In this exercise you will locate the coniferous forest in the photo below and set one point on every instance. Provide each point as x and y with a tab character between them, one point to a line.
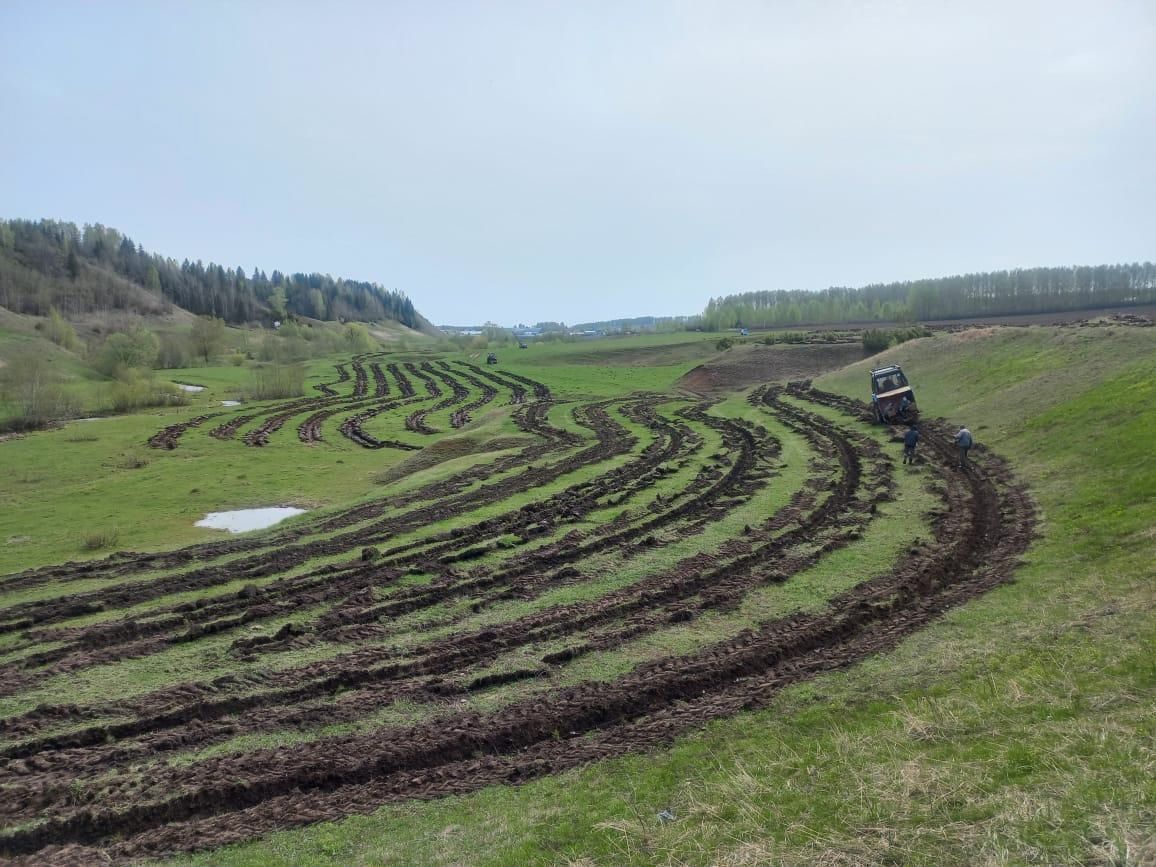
991	293
47	264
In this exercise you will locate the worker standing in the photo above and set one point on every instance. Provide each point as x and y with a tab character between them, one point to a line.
963	443
910	441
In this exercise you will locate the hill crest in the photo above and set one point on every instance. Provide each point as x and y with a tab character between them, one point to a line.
46	264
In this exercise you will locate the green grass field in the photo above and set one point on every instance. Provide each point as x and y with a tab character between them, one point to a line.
1017	728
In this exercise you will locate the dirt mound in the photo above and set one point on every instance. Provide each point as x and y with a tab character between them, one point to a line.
744	366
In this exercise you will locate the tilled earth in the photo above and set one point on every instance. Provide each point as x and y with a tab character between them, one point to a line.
454	636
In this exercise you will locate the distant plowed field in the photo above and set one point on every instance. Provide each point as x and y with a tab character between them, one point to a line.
615	577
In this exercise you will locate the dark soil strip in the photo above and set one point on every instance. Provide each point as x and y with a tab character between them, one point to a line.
380	382
360	379
404	386
518	391
169	437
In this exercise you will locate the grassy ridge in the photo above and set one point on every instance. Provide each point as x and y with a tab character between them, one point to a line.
1018	730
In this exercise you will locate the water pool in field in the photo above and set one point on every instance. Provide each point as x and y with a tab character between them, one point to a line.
244	520
184	386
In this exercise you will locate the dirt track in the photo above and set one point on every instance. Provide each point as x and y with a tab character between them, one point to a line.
410	606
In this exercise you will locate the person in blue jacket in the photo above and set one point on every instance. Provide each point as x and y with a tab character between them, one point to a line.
910	441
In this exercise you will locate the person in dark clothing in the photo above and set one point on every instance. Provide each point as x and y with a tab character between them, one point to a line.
963	442
910	440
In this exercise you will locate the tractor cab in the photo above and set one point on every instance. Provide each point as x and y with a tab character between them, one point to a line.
892	398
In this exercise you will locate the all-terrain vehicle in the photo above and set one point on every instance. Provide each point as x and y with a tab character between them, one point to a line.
492	358
892	398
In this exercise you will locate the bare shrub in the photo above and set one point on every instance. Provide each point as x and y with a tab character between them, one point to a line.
34	389
273	381
98	540
134	390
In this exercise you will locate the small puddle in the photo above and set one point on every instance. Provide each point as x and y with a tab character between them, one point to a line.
184	386
230	403
244	520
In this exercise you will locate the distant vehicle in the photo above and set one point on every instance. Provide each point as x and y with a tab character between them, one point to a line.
492	358
892	398
523	346
744	332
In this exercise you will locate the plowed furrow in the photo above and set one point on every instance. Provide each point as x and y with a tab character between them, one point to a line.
518	391
360	379
169	437
380	382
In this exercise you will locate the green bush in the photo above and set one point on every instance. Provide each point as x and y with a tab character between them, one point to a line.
34	392
876	340
128	349
60	331
274	381
725	344
135	390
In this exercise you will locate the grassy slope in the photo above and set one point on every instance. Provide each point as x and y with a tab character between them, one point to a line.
1018	730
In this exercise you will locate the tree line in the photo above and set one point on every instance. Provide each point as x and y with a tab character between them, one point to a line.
47	264
991	293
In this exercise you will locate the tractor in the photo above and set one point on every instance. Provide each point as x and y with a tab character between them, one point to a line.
892	399
492	358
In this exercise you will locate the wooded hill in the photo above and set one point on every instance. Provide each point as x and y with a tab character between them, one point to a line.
47	264
991	293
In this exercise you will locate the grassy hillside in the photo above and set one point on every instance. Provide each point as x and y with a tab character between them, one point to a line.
1020	729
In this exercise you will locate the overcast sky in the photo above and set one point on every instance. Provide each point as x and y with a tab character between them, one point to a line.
585	160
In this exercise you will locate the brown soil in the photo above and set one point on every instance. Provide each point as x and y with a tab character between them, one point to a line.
744	366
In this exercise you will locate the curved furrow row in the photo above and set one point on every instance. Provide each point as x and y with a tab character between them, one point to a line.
229	429
742	465
404	386
169	437
611	439
518	390
530	419
488	393
261	434
360	378
380	381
